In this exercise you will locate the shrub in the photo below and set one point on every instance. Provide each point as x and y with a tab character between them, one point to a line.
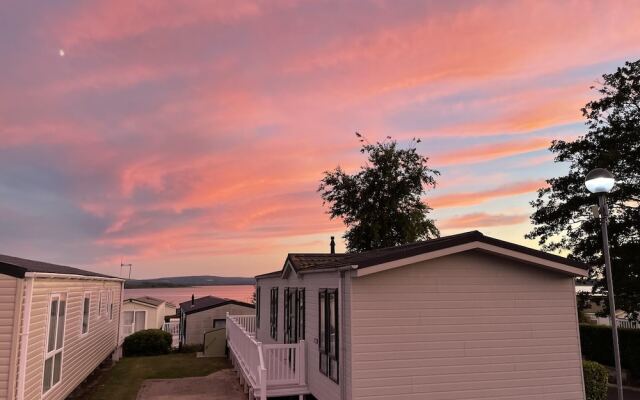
597	345
149	342
595	380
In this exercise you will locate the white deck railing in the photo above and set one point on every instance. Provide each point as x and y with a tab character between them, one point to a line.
620	322
247	322
172	327
625	323
265	365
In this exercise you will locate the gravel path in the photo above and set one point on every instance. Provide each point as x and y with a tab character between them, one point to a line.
221	385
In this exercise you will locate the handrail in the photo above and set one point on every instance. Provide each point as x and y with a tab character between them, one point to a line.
265	364
249	350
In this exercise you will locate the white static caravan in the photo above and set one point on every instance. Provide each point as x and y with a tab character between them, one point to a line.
57	324
456	318
146	312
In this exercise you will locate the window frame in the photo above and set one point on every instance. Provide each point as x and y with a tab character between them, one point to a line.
60	296
87	295
133	324
110	304
100	303
325	357
273	313
258	306
294	314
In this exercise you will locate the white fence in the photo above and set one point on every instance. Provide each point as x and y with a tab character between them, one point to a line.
625	323
620	322
265	365
173	328
247	322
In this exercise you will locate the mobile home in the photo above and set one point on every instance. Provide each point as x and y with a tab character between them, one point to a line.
201	315
459	317
57	324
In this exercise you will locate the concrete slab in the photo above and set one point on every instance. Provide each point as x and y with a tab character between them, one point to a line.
221	385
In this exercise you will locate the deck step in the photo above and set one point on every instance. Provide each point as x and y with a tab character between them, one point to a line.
285	390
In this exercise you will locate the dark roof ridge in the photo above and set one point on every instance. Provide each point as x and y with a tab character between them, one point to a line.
454	236
18	267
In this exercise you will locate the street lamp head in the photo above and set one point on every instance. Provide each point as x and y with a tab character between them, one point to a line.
599	180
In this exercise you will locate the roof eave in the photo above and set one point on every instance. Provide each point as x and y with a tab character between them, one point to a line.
70	276
475	245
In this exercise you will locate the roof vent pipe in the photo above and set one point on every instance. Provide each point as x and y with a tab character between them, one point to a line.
193	300
332	245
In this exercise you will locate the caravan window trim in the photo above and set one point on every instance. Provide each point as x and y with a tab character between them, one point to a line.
329	342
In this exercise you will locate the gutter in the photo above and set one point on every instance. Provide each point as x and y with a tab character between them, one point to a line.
70	276
24	336
336	269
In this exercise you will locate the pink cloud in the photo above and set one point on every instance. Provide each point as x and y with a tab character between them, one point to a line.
487	152
461	199
478	220
116	20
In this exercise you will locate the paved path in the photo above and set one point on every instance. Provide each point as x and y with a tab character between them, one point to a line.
221	385
628	394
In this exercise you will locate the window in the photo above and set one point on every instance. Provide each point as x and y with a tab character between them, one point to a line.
55	341
110	305
301	318
86	307
273	313
100	302
257	307
219	323
293	314
328	315
133	321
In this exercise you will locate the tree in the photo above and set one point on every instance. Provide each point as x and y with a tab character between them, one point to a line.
562	218
382	204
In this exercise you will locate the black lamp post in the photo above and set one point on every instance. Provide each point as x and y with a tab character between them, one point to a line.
600	181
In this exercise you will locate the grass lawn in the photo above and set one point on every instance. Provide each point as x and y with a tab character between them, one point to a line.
124	380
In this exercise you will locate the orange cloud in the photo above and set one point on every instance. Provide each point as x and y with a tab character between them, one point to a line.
476	220
472	198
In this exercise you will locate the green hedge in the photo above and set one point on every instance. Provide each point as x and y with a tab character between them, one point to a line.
595	380
597	345
149	342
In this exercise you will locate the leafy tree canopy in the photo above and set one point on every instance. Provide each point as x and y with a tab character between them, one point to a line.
562	219
382	205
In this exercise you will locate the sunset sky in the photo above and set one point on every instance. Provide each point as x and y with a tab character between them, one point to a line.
188	137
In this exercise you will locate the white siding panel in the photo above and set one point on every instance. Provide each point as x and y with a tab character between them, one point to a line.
466	326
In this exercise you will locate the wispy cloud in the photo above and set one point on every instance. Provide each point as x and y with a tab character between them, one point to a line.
460	199
479	220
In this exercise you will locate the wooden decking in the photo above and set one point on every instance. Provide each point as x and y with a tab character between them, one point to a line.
265	370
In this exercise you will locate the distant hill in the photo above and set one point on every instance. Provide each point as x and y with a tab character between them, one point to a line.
186	281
